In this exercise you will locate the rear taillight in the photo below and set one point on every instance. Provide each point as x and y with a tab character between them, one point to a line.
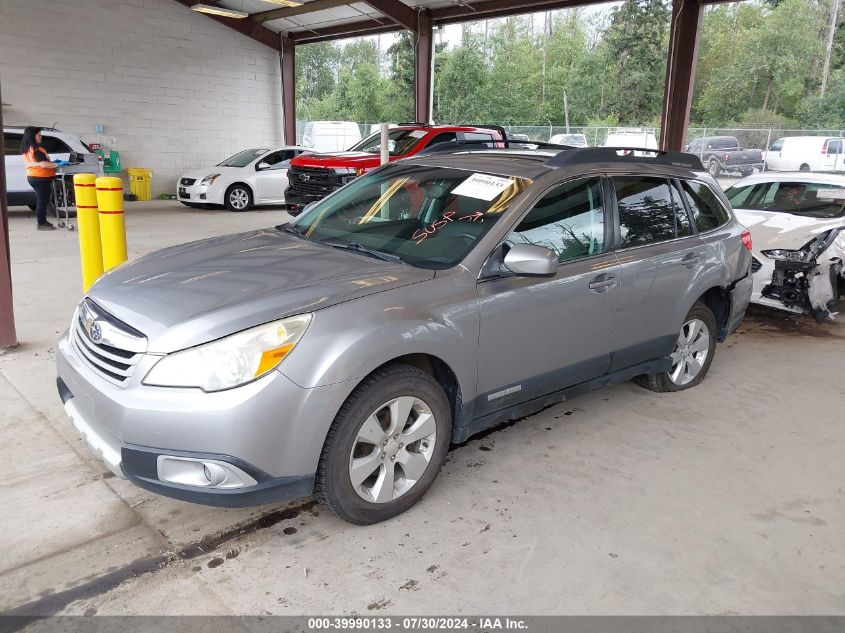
746	239
824	149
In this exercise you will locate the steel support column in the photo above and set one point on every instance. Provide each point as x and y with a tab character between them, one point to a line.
288	70
8	338
680	72
424	68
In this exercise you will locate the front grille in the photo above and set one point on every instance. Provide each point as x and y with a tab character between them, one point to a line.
187	182
756	264
313	181
118	350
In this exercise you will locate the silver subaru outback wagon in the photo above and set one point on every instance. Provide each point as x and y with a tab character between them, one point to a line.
340	355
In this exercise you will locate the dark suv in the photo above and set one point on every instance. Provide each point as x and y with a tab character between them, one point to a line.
424	302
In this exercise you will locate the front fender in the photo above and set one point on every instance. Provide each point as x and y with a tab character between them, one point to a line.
346	342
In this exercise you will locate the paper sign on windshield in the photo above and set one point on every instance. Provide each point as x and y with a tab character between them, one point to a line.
482	186
831	194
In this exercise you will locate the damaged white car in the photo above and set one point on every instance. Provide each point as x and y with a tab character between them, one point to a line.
797	224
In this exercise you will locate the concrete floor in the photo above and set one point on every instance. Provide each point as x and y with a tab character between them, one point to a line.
727	498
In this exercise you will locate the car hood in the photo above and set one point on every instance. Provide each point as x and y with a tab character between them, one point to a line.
771	229
199	174
198	292
360	160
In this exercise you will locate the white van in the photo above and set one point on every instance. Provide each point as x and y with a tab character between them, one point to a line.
806	153
58	146
330	136
646	140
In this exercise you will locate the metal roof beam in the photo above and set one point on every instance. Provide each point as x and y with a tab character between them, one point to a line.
244	27
488	9
353	29
397	11
289	12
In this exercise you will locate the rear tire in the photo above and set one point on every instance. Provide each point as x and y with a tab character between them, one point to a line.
714	168
693	353
366	473
238	198
804	167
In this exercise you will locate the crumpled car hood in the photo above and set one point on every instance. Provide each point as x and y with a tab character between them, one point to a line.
783	230
197	292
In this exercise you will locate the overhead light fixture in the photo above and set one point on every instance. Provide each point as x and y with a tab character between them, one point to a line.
221	11
285	3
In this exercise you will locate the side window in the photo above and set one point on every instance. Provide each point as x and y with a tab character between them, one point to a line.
477	137
777	145
271	159
648	212
11	144
569	220
444	137
834	146
53	145
707	211
287	154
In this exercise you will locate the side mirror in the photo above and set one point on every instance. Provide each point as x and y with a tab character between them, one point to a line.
262	166
528	259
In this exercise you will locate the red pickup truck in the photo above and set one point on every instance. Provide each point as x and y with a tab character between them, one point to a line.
312	177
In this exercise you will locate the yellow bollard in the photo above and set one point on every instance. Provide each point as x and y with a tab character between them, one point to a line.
88	222
112	224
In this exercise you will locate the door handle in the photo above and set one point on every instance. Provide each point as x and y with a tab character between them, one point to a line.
690	260
603	282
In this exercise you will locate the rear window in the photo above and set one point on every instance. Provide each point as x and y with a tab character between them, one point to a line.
11	143
813	199
707	212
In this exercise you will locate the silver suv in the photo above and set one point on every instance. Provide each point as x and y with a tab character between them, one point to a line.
430	299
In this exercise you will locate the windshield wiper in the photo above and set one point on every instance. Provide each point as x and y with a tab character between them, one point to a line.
356	247
290	228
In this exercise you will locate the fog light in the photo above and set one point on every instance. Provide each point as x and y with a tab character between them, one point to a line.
202	473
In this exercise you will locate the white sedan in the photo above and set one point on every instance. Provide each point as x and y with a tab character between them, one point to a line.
251	177
797	224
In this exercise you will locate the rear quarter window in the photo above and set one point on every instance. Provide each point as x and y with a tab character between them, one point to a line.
707	210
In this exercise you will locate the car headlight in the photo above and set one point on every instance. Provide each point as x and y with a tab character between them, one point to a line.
231	361
788	255
209	180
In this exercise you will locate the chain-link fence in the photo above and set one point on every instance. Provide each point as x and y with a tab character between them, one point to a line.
764	140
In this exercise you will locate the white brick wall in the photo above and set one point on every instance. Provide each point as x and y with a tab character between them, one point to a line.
175	89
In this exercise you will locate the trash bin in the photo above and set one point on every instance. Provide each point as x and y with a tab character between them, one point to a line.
140	182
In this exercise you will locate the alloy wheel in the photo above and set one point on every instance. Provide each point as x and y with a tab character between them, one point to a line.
239	199
690	353
393	449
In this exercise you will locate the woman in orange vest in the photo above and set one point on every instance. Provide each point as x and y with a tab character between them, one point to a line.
39	174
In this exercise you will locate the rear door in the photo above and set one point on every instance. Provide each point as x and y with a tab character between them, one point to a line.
659	255
540	334
15	169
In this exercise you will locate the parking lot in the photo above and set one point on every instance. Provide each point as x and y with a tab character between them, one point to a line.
723	499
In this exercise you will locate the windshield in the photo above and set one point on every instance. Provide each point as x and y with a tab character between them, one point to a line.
398	142
244	158
429	217
813	199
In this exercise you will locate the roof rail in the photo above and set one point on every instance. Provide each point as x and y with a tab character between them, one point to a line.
459	146
612	155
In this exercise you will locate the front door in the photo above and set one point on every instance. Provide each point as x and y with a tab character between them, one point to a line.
271	180
541	334
659	256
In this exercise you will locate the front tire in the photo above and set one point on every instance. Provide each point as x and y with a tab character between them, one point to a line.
385	447
693	355
238	198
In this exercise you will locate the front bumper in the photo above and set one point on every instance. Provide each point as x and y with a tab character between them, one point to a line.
270	431
296	202
198	194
